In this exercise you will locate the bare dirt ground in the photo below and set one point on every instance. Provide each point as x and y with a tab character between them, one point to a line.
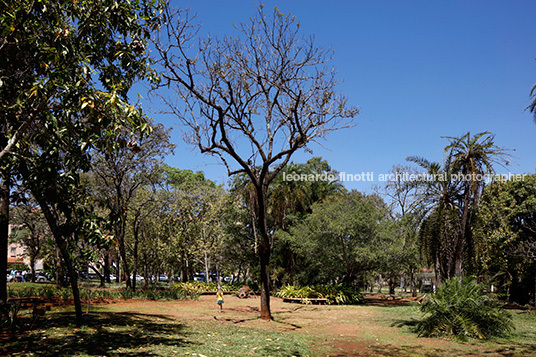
369	330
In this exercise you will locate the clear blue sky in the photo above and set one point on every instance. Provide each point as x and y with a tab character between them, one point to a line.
417	70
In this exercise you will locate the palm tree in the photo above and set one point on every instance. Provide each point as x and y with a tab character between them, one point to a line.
449	203
473	157
440	215
532	106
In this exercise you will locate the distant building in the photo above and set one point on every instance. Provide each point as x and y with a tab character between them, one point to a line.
16	254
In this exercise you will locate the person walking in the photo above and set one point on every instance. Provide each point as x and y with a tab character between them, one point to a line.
219	299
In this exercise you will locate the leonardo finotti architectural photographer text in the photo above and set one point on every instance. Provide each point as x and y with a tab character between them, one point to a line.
398	177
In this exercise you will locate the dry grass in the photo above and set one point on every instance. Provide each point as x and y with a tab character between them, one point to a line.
165	328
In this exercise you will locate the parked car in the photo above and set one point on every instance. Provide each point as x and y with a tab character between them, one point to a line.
138	278
201	277
43	277
39	277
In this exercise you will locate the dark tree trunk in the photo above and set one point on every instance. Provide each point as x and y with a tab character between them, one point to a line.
392	285
61	239
123	256
459	251
264	253
73	277
63	246
32	267
107	267
135	268
60	280
413	284
5	187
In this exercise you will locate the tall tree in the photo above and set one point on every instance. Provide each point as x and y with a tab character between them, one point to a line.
190	198
291	197
405	196
505	234
343	237
32	230
253	100
121	174
440	214
473	157
65	71
451	196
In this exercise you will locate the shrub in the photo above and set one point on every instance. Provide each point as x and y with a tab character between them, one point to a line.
190	290
65	293
47	291
462	309
127	294
339	294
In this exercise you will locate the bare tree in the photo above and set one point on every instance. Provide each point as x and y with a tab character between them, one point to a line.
252	101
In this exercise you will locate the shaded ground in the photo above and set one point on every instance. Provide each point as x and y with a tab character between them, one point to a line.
377	329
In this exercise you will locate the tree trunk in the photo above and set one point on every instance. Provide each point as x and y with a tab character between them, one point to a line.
413	284
392	285
123	256
460	242
32	267
63	246
60	281
264	256
380	284
117	270
73	277
206	267
61	240
135	268
5	187
264	253
107	267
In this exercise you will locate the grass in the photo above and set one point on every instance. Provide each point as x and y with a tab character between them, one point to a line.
133	334
195	328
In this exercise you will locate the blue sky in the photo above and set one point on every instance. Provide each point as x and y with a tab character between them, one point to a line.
417	70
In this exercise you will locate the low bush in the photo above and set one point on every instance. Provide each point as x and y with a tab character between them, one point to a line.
339	294
65	293
190	290
47	291
461	309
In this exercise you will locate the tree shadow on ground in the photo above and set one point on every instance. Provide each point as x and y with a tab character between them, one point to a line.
101	334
